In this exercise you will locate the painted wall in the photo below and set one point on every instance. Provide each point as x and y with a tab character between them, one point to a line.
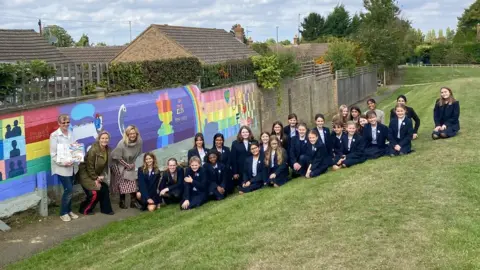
167	119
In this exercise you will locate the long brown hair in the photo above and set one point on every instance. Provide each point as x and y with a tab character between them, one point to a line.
154	164
239	135
281	129
198	135
278	152
448	101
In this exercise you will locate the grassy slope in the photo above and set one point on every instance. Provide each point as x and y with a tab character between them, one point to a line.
438	74
419	211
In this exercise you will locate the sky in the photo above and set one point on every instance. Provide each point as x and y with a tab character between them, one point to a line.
108	20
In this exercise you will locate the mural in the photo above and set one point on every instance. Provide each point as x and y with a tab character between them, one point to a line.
164	117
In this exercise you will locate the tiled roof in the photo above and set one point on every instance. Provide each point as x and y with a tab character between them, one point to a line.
99	54
209	45
27	45
304	50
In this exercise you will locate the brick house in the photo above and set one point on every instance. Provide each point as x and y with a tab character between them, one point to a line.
100	54
27	45
209	45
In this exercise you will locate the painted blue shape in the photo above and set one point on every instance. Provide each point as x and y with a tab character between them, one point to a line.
16	166
1	150
42	182
18	187
82	110
14	147
210	130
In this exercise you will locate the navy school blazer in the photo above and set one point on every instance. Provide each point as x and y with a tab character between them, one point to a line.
248	172
319	156
224	156
199	186
148	183
357	147
168	182
448	115
336	145
410	114
406	133
297	148
216	176
194	152
382	135
328	142
238	155
281	170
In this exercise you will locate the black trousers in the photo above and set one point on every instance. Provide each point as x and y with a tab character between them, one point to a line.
95	196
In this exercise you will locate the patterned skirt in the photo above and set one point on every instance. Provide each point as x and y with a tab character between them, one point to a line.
119	184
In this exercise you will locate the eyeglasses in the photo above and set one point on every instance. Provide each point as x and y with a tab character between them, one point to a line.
65	123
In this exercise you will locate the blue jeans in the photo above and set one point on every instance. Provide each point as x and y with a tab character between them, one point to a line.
67	183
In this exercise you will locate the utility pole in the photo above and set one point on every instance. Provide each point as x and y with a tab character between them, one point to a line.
40	26
277	34
298	35
130	26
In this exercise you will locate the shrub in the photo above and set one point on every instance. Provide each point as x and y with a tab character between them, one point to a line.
226	73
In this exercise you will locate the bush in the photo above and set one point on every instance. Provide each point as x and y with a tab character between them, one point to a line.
342	54
147	75
226	73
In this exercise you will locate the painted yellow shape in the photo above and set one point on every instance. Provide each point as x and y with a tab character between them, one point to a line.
38	149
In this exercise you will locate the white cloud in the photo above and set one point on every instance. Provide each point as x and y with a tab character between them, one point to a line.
107	20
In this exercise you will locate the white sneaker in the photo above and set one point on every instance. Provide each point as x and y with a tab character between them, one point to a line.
72	215
65	218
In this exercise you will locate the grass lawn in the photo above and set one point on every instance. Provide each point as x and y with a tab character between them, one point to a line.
417	75
413	212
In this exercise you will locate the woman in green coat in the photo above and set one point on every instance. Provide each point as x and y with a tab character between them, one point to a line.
91	176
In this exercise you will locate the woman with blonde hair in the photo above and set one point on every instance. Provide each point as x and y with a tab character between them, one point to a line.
124	180
91	176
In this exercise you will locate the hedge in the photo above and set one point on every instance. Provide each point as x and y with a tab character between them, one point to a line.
158	74
467	53
232	71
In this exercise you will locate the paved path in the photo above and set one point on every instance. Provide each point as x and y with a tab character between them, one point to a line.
21	243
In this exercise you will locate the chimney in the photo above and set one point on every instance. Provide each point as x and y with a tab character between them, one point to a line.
250	41
295	40
239	32
40	26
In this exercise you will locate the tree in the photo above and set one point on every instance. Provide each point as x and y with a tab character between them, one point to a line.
83	41
245	40
101	44
313	26
286	42
63	38
430	37
337	22
382	33
440	33
270	41
449	34
342	54
354	25
261	48
470	17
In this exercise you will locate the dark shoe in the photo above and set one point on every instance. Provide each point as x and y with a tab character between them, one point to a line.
122	204
110	214
135	204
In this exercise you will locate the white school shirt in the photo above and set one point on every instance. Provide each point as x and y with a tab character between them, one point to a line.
374	135
245	143
400	121
254	166
293	132
272	159
201	153
322	136
349	142
57	137
302	139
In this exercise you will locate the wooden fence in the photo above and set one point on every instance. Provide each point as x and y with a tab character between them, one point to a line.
70	80
310	68
357	85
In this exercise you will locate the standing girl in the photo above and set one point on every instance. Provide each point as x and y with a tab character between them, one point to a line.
65	172
91	176
342	116
353	146
240	150
123	169
219	145
198	149
265	140
276	163
400	132
355	113
445	115
195	191
290	131
254	171
323	132
216	176
410	113
375	135
277	130
318	157
148	183
171	186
